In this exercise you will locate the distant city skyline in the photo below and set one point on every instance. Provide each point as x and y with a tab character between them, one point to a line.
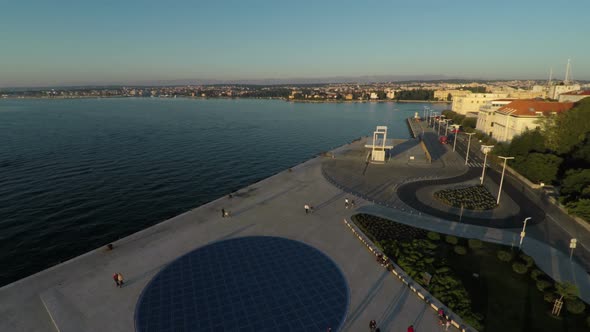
144	42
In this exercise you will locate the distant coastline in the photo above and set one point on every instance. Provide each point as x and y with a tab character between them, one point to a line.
258	98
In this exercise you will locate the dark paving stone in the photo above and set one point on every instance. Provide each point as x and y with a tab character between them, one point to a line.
255	283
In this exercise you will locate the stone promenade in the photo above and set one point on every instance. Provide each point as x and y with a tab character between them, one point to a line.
79	295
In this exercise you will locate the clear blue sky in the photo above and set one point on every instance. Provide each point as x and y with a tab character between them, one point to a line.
95	42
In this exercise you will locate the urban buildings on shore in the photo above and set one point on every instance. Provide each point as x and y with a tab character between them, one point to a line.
515	117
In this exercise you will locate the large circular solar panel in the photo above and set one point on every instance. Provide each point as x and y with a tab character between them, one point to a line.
255	283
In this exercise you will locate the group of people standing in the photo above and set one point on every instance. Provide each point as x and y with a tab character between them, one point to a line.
348	204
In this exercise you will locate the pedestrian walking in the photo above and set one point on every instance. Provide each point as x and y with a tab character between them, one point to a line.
116	278
447	324
222	213
306	207
352	203
372	325
411	328
346	203
120	279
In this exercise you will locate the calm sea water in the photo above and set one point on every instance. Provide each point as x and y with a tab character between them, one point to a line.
77	174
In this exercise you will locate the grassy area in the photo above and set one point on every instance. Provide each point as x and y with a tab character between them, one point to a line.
469	277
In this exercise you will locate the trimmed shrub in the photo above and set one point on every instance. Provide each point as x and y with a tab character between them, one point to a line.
575	306
474	243
443	269
460	250
451	239
542	285
519	268
549	297
536	274
504	256
433	236
528	260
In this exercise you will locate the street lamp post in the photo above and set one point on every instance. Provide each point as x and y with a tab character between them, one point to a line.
446	127
573	244
456	133
486	149
468	146
523	233
502	178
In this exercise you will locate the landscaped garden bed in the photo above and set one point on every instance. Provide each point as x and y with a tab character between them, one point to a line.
491	287
472	198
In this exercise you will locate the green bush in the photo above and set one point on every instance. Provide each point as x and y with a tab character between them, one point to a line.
433	236
575	306
542	285
475	243
519	268
504	256
549	297
528	260
460	250
451	239
536	274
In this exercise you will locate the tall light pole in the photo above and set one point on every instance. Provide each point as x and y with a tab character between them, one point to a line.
502	178
573	244
486	149
523	233
456	133
468	146
446	127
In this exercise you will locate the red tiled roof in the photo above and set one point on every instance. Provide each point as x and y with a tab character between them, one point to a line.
578	93
529	107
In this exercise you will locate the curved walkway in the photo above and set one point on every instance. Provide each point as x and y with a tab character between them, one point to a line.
407	193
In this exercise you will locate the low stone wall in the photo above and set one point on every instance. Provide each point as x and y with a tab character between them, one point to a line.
403	277
426	152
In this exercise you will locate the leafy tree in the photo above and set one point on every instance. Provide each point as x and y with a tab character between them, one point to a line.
451	239
567	290
576	185
433	236
572	127
449	97
519	268
527	142
580	208
469	122
504	256
575	306
460	250
539	167
542	285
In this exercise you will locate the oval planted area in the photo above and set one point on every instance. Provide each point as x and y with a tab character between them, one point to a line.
256	283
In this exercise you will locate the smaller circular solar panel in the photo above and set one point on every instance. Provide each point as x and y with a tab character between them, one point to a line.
257	283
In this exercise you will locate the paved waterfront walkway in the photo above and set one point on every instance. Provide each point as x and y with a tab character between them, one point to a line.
80	295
